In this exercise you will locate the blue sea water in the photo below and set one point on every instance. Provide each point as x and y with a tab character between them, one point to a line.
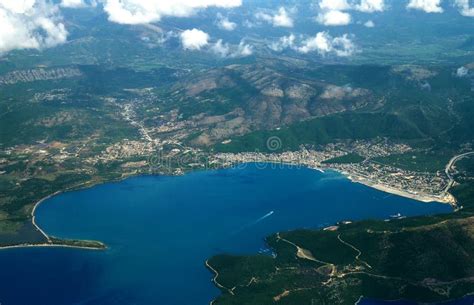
160	230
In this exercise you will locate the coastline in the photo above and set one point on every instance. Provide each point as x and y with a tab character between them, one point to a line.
448	198
64	243
352	178
426	198
51	241
33	216
49	245
214	279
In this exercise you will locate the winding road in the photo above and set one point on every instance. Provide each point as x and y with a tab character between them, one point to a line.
451	163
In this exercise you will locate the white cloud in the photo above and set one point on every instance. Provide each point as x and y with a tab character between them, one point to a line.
338	5
462	72
30	24
343	46
140	11
220	48
322	43
282	18
366	6
335	12
225	24
194	39
429	6
334	18
279	19
243	50
370	6
73	3
285	42
225	50
465	8
369	24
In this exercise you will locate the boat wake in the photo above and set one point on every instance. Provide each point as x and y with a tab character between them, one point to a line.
254	223
262	218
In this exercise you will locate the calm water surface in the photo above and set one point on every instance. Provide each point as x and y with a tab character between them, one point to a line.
160	230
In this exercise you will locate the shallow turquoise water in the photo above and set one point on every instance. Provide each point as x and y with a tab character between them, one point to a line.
160	230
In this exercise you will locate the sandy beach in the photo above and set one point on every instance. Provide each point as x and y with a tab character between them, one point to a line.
47	245
33	217
49	242
447	198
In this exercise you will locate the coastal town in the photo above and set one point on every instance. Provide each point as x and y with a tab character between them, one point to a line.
422	186
171	157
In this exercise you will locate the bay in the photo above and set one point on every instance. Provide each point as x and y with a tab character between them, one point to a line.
160	230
